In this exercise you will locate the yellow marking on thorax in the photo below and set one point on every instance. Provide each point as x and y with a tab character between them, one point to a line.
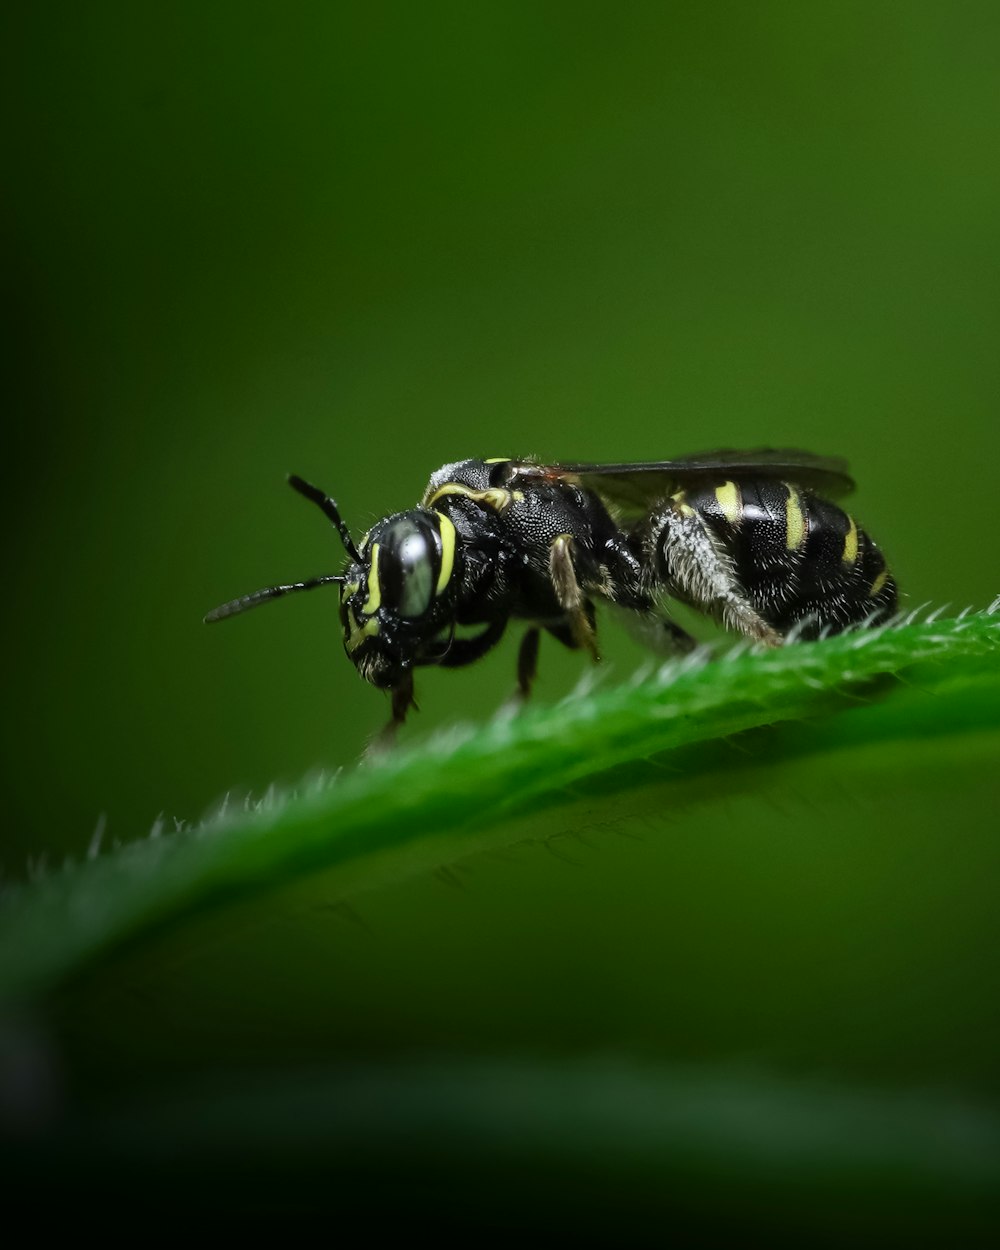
497	460
374	589
447	552
679	501
730	501
878	583
850	553
795	520
494	498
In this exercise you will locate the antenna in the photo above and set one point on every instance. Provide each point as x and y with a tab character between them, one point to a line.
235	606
329	509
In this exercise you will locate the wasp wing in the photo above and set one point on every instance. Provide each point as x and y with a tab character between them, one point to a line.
637	486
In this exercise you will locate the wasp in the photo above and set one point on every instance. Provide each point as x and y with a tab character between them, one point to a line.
752	539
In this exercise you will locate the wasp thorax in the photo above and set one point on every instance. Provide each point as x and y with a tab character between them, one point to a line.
406	566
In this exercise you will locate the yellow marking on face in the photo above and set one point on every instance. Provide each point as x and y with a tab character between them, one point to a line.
685	509
360	632
348	589
447	552
498	460
878	583
729	500
494	498
371	604
795	520
850	553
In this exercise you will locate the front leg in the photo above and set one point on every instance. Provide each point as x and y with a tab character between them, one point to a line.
458	652
402	701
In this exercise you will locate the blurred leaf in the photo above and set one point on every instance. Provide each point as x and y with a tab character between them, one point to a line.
601	1144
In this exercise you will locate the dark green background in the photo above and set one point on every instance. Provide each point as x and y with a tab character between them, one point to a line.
359	241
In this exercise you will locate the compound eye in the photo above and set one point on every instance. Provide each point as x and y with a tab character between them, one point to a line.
406	568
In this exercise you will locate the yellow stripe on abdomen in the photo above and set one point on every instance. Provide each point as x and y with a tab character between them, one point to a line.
729	499
850	553
795	520
878	583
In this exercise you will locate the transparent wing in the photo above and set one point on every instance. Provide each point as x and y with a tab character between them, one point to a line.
638	485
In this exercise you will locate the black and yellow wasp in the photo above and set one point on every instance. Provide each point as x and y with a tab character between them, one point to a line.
750	538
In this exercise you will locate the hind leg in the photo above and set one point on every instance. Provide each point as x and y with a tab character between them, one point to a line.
692	565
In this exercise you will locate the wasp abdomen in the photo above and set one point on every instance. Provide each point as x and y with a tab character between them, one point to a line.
799	559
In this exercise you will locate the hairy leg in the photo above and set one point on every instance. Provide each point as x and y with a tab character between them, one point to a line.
693	565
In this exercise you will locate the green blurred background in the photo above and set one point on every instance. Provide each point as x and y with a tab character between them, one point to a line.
358	241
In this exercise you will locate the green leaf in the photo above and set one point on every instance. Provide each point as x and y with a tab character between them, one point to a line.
730	927
464	792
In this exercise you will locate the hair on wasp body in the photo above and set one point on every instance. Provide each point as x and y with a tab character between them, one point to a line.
751	539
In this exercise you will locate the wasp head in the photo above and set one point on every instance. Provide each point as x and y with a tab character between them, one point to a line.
394	601
396	593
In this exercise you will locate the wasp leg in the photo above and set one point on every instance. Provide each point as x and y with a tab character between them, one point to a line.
660	635
694	566
527	662
464	651
678	641
561	632
571	598
402	701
